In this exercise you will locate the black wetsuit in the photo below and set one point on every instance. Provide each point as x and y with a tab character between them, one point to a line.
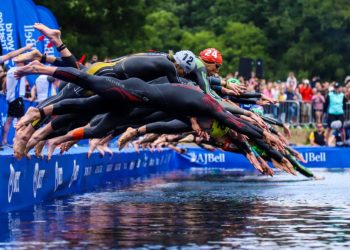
176	99
146	66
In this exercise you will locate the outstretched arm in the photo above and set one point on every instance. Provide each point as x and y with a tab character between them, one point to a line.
17	52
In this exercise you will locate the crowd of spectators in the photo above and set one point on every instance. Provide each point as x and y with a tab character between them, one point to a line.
310	102
299	101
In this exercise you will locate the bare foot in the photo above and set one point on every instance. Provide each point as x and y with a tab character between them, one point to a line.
53	34
105	148
39	148
28	57
100	150
31	68
34	140
128	135
21	139
64	147
51	148
31	115
92	146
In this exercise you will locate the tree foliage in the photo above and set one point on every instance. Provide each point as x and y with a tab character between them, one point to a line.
309	37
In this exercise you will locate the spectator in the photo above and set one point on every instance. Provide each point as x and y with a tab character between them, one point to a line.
325	88
335	107
94	59
275	93
291	81
306	93
292	106
253	79
298	95
347	80
15	91
317	137
336	139
318	101
282	97
43	88
314	80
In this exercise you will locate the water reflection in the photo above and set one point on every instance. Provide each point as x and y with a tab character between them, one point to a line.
180	209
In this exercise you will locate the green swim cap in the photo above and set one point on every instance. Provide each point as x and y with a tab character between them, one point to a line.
234	81
217	130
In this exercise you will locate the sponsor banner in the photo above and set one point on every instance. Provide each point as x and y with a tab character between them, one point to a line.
27	33
316	157
46	17
29	181
26	182
8	29
26	16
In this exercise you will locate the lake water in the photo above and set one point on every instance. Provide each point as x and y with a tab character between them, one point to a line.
190	210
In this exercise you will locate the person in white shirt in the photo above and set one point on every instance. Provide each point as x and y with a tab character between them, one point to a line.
291	81
43	88
15	91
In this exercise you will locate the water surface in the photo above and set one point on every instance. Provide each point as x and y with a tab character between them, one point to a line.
191	211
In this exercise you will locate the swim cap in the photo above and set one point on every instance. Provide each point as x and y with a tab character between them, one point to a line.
185	59
217	130
211	55
257	109
234	81
336	124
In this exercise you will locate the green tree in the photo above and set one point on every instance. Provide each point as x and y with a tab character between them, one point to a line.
162	31
241	40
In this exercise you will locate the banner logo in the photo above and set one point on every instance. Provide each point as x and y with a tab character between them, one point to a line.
75	173
206	158
315	157
37	178
58	176
13	184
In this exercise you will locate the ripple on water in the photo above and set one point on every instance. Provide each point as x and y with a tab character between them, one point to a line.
180	210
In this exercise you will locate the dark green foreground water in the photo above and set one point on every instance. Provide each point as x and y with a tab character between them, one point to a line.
192	211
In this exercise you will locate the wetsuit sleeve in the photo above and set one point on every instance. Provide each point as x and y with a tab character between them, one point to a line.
242	145
214	81
171	127
69	61
298	167
274	154
200	77
172	73
273	130
231	108
242	100
344	103
217	89
249	95
272	121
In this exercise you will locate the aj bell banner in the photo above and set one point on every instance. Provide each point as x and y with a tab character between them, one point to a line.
8	30
46	17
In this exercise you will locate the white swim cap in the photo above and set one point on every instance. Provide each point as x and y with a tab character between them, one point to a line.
185	59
